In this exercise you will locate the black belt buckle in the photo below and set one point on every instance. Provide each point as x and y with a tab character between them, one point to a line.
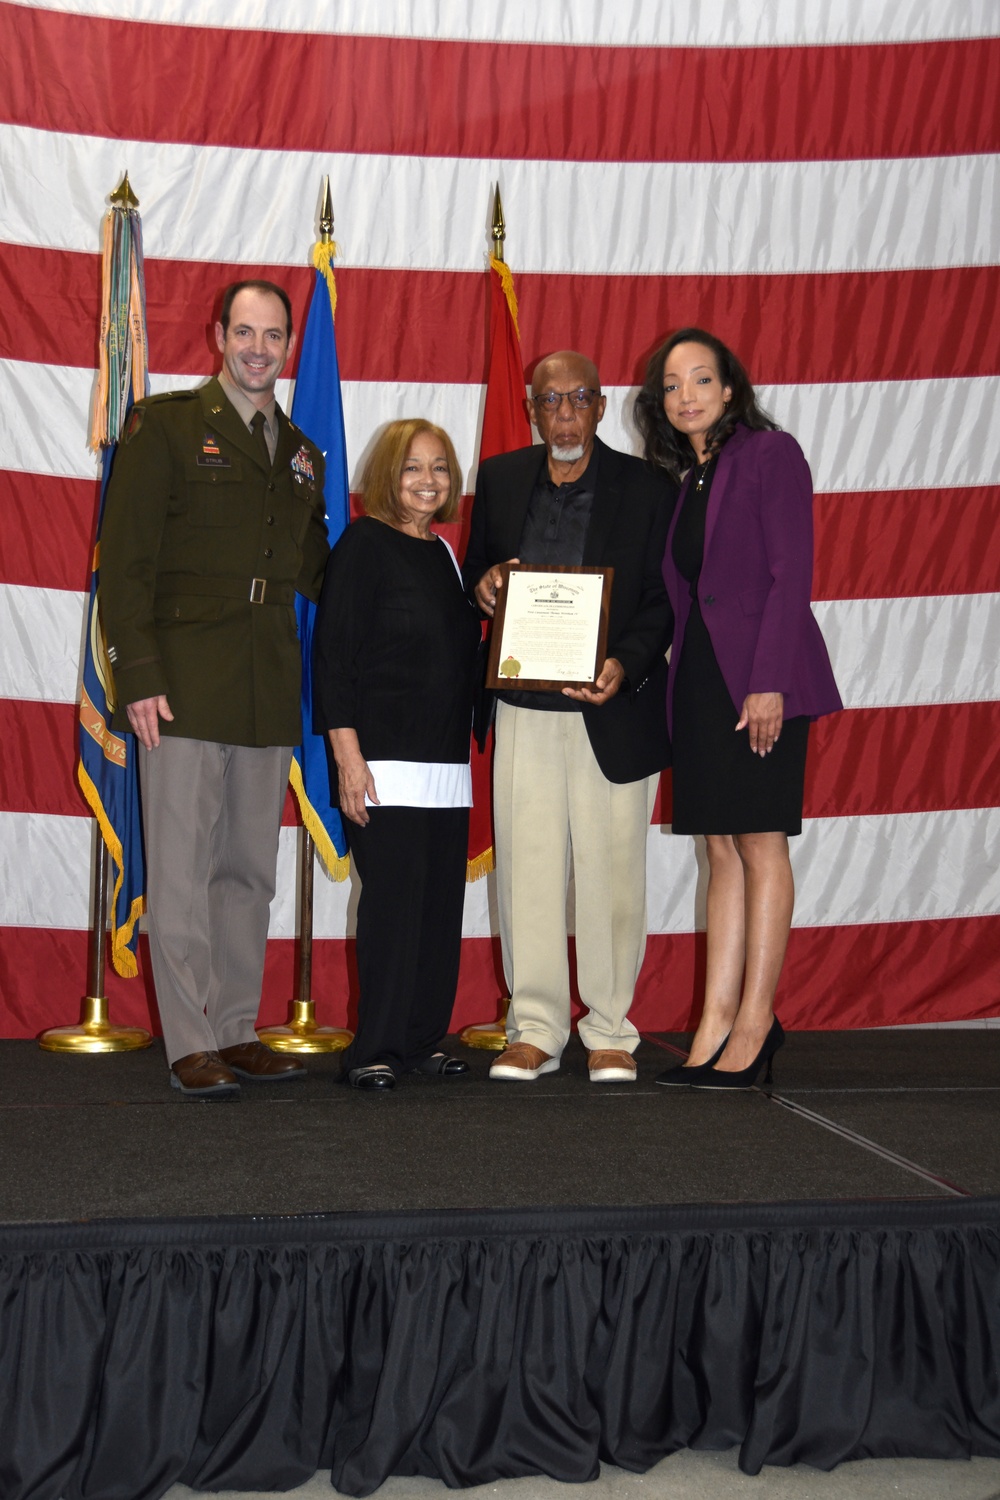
258	588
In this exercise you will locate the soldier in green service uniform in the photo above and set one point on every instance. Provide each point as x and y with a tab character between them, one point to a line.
214	518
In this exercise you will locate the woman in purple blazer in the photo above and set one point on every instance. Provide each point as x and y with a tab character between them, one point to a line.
748	671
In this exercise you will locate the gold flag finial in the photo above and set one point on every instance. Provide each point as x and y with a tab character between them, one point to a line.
499	227
123	196
326	213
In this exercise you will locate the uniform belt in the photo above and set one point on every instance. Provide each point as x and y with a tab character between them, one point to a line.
257	590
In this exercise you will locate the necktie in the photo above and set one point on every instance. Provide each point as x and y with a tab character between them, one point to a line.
257	428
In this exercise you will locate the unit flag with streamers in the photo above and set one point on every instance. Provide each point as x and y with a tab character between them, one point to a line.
107	771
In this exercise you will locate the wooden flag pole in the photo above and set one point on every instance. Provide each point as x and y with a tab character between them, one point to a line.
302	1034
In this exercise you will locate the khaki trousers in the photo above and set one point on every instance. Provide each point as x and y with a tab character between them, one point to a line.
551	803
210	815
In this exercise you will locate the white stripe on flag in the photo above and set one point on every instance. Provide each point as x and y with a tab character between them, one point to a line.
857	436
585	23
848	871
740	218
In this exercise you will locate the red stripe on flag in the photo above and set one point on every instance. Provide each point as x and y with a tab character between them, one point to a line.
880	975
483	99
900	544
48	529
862	762
886	974
38	766
401	325
878	761
892	760
887	544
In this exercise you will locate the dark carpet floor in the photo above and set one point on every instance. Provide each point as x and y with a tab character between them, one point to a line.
104	1136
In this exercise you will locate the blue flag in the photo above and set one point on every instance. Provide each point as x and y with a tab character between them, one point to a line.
317	408
108	774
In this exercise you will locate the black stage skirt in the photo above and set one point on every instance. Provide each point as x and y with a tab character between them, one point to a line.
720	785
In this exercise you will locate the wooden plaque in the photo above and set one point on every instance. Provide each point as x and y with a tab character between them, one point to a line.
550	627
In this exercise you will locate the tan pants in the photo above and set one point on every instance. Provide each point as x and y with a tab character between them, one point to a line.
551	802
211	816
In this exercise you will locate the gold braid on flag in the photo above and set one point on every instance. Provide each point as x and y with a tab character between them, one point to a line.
507	282
337	866
122	956
483	864
324	255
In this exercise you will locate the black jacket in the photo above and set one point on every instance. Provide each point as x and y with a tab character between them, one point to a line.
632	510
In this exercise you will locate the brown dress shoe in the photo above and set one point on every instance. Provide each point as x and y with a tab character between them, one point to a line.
254	1060
611	1065
203	1075
523	1062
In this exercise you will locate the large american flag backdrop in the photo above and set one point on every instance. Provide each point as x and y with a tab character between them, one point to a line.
816	183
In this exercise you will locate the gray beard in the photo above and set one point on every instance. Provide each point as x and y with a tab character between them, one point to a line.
567	455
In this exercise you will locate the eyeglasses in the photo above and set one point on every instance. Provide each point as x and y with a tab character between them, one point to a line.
552	400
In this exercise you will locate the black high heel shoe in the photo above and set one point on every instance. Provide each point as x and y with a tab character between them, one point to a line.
683	1076
711	1078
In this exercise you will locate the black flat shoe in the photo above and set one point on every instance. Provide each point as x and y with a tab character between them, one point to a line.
440	1065
747	1077
683	1076
375	1078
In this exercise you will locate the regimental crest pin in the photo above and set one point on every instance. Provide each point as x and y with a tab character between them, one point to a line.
302	466
211	444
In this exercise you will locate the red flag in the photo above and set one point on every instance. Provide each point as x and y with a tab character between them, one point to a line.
505	426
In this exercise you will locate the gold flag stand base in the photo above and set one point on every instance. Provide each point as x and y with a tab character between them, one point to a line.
490	1036
94	1033
303	1035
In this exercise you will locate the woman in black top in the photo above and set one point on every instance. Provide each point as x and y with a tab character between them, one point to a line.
394	657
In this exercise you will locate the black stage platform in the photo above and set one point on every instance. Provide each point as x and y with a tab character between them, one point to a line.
478	1280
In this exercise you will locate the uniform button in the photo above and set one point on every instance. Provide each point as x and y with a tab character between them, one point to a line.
709	598
271	486
268	552
270	520
177	611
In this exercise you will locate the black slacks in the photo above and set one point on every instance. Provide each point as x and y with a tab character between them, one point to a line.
412	866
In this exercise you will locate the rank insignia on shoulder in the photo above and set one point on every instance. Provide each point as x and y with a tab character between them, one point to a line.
134	423
302	466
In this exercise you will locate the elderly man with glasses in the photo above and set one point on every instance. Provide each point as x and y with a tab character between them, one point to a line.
575	772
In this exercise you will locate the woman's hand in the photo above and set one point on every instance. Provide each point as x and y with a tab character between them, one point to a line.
354	778
763	712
